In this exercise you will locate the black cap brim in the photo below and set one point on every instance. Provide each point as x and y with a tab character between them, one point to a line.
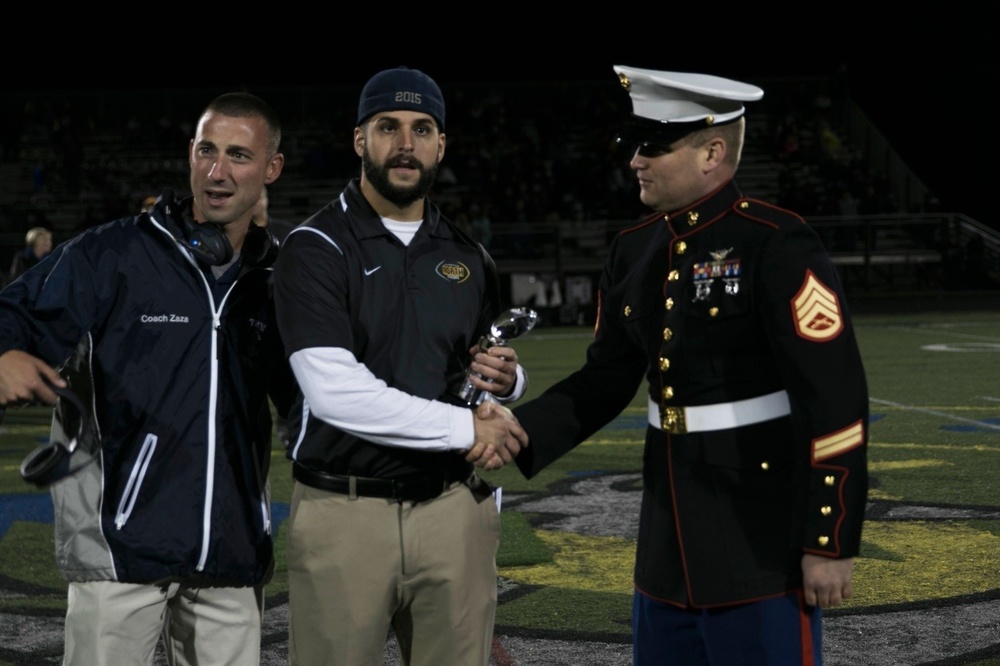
639	131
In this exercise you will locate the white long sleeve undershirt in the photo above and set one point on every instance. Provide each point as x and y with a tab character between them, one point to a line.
344	393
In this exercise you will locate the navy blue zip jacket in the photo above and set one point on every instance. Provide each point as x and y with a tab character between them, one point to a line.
176	371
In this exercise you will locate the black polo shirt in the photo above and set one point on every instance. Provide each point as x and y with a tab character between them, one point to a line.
409	313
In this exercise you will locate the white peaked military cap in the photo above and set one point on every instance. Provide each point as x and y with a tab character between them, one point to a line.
669	105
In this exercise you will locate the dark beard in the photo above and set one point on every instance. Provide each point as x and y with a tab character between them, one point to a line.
401	197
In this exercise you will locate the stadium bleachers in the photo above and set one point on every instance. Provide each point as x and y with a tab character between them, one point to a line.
530	169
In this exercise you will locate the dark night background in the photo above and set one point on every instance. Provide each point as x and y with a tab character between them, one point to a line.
933	103
930	93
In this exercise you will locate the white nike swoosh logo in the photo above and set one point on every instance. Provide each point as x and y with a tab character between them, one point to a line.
369	272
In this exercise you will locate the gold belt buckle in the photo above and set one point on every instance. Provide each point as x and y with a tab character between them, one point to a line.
673	420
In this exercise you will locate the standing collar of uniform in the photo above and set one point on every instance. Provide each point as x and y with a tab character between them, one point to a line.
367	222
705	209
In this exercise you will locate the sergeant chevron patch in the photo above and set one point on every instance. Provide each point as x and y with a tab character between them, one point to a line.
837	443
816	311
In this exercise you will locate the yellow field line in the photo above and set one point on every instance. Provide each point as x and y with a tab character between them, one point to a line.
933	447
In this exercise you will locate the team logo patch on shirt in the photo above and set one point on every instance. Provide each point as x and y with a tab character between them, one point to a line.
704	273
816	310
838	443
453	272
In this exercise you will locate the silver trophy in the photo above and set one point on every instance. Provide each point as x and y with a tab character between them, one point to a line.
509	325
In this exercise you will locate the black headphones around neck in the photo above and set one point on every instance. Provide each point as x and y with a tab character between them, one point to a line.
208	242
260	247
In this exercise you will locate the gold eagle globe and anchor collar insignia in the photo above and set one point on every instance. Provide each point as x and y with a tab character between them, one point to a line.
453	271
721	267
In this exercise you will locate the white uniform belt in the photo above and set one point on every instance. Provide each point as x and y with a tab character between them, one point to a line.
721	416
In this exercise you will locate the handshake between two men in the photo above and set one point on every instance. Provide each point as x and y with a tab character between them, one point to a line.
499	436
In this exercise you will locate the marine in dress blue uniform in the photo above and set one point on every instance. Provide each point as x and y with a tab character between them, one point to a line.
754	468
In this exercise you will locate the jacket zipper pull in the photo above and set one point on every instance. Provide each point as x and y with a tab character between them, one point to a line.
218	338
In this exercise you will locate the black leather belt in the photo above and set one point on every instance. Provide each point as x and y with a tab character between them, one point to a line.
413	488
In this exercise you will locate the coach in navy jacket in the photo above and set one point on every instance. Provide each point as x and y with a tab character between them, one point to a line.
169	339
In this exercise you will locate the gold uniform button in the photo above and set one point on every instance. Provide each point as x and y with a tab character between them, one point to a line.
674	276
668	392
692	218
669	304
664	364
826	510
628	310
681	247
713	312
823	540
765	465
830	480
744	205
667	334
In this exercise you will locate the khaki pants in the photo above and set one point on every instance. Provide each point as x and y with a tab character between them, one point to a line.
119	623
358	566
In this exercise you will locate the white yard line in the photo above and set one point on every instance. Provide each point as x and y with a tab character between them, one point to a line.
938	330
933	412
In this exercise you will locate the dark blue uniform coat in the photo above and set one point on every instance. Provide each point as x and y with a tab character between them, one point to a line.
728	299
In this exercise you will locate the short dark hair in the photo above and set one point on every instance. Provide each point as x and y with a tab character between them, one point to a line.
245	105
732	133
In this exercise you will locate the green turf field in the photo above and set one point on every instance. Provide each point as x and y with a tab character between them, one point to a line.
932	536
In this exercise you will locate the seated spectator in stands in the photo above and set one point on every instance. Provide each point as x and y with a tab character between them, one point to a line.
38	242
262	218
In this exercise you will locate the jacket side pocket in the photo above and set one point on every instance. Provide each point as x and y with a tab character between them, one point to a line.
127	502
